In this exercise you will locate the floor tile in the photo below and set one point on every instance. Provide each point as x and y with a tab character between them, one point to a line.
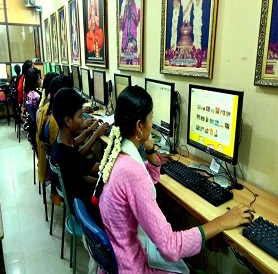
28	248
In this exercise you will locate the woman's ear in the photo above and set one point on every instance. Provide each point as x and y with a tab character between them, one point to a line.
138	125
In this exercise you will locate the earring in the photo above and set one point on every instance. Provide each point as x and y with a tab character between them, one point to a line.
139	139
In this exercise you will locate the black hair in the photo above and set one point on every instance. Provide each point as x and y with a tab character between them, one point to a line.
133	104
58	82
46	82
31	78
26	65
17	69
66	103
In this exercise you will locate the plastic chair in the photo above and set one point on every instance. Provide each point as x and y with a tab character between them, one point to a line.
4	101
99	245
16	112
71	224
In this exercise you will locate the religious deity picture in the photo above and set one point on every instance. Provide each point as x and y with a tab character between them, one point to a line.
188	34
95	35
266	73
130	35
47	40
63	35
74	32
54	40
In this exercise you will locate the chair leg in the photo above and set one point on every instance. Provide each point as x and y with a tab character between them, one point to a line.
19	131
51	218
44	200
71	249
40	192
34	165
74	254
63	231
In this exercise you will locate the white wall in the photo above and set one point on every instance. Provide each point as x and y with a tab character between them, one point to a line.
234	68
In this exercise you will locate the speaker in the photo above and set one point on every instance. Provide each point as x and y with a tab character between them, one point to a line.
109	87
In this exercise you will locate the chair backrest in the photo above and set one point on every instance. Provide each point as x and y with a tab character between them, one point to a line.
56	169
97	240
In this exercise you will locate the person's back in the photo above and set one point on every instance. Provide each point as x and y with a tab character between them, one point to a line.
130	213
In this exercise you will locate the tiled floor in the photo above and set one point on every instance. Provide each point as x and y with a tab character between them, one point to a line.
28	248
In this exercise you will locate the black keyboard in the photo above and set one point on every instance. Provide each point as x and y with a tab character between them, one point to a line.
264	235
198	183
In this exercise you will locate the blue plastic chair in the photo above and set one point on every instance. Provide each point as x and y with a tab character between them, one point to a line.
99	245
71	225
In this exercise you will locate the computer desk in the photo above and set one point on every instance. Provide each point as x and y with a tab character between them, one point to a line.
266	205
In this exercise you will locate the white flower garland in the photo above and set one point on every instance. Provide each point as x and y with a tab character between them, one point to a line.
109	156
187	7
197	26
175	17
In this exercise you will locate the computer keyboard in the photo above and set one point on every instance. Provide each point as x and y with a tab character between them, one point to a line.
198	183
264	235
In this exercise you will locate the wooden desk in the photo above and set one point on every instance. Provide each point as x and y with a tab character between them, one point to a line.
266	205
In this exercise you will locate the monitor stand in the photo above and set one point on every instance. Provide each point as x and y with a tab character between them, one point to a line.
161	142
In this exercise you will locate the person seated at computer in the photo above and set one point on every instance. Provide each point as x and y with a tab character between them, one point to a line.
46	90
128	199
47	132
31	89
78	172
21	81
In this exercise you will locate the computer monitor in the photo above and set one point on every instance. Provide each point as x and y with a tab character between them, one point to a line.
53	67
46	68
162	94
214	121
66	71
86	82
76	79
58	69
12	68
121	82
100	87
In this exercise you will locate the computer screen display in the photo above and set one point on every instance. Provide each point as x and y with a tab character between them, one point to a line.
100	87
66	70
53	67
121	82
58	69
86	82
46	68
162	94
12	68
76	78
214	121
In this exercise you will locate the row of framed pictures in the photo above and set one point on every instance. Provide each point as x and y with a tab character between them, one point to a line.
187	37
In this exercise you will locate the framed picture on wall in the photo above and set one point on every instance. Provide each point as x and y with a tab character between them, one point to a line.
130	35
54	38
74	32
187	37
47	40
95	34
63	41
266	73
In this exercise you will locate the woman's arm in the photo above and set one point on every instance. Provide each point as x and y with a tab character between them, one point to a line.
238	215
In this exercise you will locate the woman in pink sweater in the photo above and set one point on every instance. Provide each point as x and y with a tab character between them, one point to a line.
128	204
